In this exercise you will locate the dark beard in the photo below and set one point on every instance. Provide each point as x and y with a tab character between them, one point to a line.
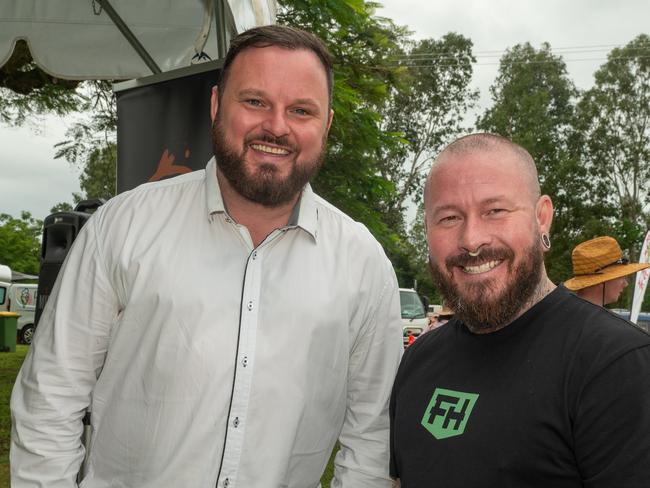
265	188
483	313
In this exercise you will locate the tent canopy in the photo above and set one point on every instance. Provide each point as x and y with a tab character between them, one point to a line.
78	39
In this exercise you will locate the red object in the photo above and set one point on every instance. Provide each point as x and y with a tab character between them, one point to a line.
411	339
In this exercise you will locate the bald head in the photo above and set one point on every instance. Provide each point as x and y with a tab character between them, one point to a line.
482	143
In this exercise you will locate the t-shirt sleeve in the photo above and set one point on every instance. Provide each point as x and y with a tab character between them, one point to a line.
612	424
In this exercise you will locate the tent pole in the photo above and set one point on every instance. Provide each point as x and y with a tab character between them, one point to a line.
126	32
220	25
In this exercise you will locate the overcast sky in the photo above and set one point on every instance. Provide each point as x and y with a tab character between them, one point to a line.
584	31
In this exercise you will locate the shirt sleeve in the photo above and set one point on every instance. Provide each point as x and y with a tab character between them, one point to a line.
362	461
612	423
54	385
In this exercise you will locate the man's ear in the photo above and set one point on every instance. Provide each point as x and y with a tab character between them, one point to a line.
214	102
544	214
329	120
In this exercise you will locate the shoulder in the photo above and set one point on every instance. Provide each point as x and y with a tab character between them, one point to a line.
158	192
150	199
597	338
343	229
596	325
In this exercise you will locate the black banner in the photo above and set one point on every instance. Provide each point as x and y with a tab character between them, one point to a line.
163	124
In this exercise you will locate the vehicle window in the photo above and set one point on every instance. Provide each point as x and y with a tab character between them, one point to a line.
411	305
3	293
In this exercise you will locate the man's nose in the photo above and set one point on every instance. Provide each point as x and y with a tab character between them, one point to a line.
474	235
275	123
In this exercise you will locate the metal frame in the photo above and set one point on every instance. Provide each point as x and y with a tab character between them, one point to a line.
224	25
130	37
168	75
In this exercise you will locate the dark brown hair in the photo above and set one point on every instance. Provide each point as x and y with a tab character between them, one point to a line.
281	36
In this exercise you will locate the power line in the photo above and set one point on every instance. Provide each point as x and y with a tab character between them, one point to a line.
453	62
487	54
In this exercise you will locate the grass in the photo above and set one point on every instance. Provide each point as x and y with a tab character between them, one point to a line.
9	365
329	469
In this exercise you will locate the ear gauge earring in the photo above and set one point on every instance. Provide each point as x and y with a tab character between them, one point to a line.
546	241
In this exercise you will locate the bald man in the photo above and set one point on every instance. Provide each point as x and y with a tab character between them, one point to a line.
528	385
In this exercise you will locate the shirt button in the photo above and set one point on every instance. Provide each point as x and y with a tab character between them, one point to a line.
250	305
235	422
244	361
226	483
254	254
229	220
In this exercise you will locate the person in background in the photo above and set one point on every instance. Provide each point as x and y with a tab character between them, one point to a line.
440	318
227	326
528	385
600	272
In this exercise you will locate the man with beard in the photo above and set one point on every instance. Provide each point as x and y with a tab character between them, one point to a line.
224	327
528	385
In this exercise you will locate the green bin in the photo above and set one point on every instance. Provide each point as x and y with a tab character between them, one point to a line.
8	331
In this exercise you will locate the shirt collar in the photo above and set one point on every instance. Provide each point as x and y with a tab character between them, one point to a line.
304	214
213	192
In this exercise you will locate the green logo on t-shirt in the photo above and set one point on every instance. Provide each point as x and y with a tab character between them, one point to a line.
448	412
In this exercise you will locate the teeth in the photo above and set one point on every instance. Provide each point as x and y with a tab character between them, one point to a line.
269	149
482	268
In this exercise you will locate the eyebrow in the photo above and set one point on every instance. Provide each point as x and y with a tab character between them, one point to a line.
442	208
250	92
487	201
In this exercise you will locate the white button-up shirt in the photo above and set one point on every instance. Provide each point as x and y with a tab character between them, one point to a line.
205	361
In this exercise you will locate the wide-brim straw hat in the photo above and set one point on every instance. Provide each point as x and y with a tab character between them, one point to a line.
597	261
444	311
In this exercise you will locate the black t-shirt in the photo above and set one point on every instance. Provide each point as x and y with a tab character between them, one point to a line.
558	398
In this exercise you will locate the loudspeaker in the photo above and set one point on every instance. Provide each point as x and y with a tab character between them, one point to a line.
60	229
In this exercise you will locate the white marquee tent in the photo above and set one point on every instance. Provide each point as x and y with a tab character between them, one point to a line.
123	39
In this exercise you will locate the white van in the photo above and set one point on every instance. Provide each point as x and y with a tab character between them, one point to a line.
414	316
19	298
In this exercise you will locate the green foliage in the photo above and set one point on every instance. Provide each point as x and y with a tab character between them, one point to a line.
534	105
62	207
26	90
97	129
428	109
20	245
359	42
614	126
10	363
98	176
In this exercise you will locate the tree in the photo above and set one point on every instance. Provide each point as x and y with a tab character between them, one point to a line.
614	122
26	90
364	76
20	245
427	110
534	106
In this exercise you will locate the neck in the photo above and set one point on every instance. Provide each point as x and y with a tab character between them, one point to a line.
594	294
544	287
257	218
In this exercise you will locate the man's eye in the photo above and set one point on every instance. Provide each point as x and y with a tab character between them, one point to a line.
300	111
254	102
496	211
448	219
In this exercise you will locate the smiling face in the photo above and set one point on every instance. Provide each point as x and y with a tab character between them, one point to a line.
486	202
271	123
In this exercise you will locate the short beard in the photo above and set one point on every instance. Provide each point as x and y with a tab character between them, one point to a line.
265	188
483	313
